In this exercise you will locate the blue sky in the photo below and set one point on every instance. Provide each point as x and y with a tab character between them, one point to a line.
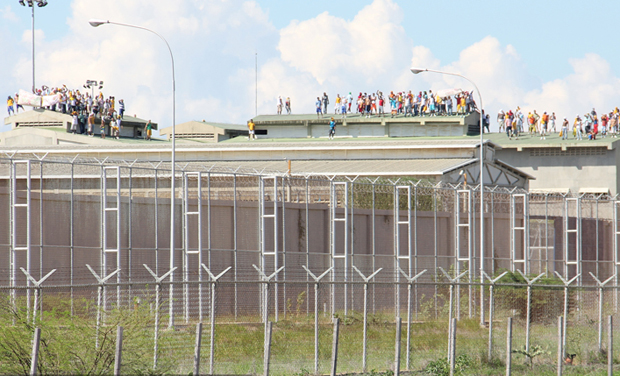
545	55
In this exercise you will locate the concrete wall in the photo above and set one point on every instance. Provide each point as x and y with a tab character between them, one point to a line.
145	238
563	170
358	126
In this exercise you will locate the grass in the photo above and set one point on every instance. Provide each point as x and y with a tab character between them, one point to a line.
69	344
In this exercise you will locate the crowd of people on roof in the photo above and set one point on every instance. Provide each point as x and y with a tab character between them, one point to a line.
589	126
402	103
82	106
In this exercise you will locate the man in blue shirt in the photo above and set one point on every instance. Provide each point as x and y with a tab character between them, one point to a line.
332	129
318	108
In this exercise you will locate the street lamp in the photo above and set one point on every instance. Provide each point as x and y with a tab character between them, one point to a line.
40	4
420	70
95	23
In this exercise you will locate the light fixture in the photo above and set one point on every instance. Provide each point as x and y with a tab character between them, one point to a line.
95	22
420	70
40	4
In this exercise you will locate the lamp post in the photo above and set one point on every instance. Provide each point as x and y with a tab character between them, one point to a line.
31	3
420	70
95	23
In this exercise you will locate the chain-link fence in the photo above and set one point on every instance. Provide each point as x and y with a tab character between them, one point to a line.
72	224
233	336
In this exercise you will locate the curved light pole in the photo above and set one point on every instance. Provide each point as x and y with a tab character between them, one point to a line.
40	4
95	23
420	70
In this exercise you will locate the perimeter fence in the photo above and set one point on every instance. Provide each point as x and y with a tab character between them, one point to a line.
81	330
88	237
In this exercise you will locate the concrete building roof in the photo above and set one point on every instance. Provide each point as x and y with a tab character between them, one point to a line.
553	140
359	118
372	167
203	130
44	118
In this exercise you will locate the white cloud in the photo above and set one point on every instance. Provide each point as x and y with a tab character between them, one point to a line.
333	50
7	13
215	41
591	85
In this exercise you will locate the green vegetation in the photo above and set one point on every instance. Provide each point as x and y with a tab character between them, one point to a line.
68	343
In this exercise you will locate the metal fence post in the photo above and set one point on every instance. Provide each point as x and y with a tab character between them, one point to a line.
566	284
600	307
411	281
102	282
452	282
214	279
119	351
610	346
267	354
529	308
399	322
37	291
158	281
509	346
35	351
197	349
365	336
491	310
560	347
316	314
266	280
335	347
452	346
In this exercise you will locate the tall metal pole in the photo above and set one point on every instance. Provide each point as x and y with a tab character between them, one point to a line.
95	23
419	70
33	86
256	84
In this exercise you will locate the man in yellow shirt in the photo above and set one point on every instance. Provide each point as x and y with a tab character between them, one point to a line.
251	134
9	105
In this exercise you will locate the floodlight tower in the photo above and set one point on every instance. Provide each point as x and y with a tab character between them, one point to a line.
31	3
92	84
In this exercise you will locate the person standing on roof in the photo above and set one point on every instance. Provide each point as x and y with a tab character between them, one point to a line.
319	113
121	108
565	129
350	100
543	125
337	106
74	122
82	122
288	105
9	105
251	133
500	119
91	123
279	105
325	102
332	129
148	129
578	128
